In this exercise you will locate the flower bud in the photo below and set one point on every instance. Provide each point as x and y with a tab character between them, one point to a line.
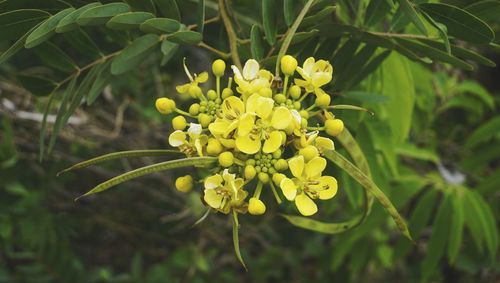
165	105
295	92
194	109
211	94
277	178
214	147
334	127
288	65
256	206
184	184
264	177
297	105
204	120
309	152
227	92
279	98
218	68
281	165
277	154
179	123
250	172
195	91
323	100
266	92
226	159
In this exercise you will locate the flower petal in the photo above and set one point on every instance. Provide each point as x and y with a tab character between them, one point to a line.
309	65
321	78
232	107
213	199
273	143
201	78
305	205
289	188
246	124
329	187
248	144
194	130
323	144
177	138
250	70
264	107
315	167
213	182
296	165
281	118
183	88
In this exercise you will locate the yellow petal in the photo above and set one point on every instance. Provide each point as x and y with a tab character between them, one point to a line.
218	127
323	143
329	187
250	70
281	118
289	189
309	65
229	143
273	143
253	103
183	88
320	79
264	107
201	78
296	165
194	130
213	182
246	124
177	138
305	205
213	199
232	106
248	144
315	167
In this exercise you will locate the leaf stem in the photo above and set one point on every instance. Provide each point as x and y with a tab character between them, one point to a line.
233	39
221	54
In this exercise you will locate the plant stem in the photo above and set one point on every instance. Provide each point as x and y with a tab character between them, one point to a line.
223	55
233	39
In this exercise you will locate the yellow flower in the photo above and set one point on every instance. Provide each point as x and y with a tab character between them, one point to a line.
308	184
192	87
315	74
263	122
233	111
194	144
252	79
224	192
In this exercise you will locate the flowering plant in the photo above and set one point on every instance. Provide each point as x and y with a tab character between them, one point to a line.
257	135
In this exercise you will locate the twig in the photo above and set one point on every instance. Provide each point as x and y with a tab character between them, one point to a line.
214	50
233	39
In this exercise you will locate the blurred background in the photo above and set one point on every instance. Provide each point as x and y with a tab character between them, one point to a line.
433	146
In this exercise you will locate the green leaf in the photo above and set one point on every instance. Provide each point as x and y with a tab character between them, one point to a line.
490	229
269	20
365	97
186	37
36	85
474	88
45	30
118	155
487	10
345	54
68	23
134	54
162	166
456	227
300	37
412	151
169	9
439	237
101	14
356	64
371	187
141	5
14	24
407	7
54	57
129	20
236	240
369	68
256	45
318	17
82	42
168	49
201	15
289	11
485	132
462	53
16	47
322	227
103	77
160	26
460	23
442	29
434	53
376	12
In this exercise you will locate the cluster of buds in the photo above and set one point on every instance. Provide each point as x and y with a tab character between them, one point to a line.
268	135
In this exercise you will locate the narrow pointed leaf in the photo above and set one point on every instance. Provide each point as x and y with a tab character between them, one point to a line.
236	240
102	79
14	24
101	14
160	26
38	86
269	20
167	165
69	23
169	9
186	37
134	54
462	53
411	13
289	11
16	47
201	15
456	227
256	46
46	29
130	20
54	57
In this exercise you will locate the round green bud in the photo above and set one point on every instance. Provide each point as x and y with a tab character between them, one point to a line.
204	120
165	105
277	178
277	154
250	162
256	206
297	105
226	159
264	177
204	103
266	92
288	65
218	101
211	94
323	100
218	67
250	172
303	123
295	91
227	92
271	171
309	152
194	109
264	169
280	98
334	127
258	169
214	147
184	184
179	123
304	114
281	165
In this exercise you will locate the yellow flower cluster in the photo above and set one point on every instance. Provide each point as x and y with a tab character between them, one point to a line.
265	132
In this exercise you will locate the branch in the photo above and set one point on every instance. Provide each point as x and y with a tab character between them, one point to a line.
233	39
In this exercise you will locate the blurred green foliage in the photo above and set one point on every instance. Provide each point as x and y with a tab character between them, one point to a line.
432	144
